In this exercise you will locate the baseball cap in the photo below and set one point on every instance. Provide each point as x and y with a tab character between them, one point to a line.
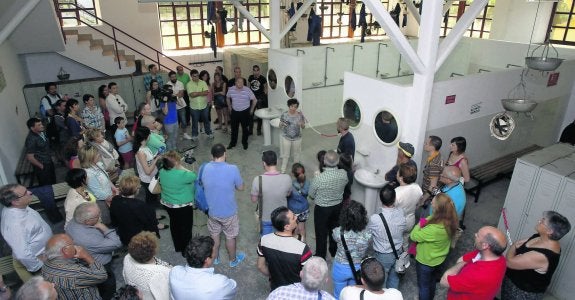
406	148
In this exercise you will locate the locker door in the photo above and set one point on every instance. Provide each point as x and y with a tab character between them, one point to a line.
544	195
562	283
524	175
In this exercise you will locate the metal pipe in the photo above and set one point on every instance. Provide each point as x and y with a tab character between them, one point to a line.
512	65
298	51
378	50
321	87
455	74
325	66
399	65
353	56
20	15
483	70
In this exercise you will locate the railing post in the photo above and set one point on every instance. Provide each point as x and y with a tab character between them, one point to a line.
116	48
158	58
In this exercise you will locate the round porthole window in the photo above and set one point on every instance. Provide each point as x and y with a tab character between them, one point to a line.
386	127
290	86
352	112
272	79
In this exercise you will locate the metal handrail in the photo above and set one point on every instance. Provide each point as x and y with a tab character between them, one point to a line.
113	37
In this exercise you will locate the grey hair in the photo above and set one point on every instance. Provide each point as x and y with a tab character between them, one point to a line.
84	212
331	159
56	250
558	223
31	290
314	273
494	245
7	194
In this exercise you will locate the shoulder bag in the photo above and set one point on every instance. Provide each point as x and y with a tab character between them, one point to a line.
401	262
355	272
154	187
259	207
201	202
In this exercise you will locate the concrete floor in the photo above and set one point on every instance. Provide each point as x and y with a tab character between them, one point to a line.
251	283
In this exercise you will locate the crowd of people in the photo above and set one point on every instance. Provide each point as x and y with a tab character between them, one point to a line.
103	214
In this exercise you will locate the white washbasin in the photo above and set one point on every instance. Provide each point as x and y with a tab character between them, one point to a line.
275	122
368	178
268	113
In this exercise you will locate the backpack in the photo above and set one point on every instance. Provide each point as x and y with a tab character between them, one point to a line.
51	128
201	202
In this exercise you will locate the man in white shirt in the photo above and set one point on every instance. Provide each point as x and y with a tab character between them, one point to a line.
178	92
197	278
23	229
115	104
372	279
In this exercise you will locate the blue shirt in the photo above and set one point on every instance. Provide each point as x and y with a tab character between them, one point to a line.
220	181
457	195
200	284
120	136
172	116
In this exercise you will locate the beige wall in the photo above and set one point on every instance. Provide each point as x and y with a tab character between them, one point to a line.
13	111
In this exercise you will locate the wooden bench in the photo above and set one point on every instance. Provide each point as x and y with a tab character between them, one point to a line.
7	267
24	171
491	171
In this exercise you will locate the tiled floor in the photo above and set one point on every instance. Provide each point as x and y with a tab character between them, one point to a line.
251	283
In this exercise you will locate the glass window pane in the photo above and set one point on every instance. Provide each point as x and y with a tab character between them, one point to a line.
560	19
254	36
326	32
557	34
181	13
565	6
195	13
87	18
182	27
242	37
487	26
169	42
85	3
198	40
69	22
166	13
183	41
167	28
229	39
451	22
197	27
489	14
572	21
570	35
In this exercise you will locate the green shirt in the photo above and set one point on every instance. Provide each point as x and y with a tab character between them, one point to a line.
156	142
199	102
178	186
432	244
184	78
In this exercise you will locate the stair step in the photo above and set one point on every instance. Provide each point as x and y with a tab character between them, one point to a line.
130	63
108	50
121	55
71	31
84	37
96	44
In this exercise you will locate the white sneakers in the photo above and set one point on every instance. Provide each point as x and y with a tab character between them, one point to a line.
187	136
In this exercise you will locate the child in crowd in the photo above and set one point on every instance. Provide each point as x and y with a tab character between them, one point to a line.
124	142
297	201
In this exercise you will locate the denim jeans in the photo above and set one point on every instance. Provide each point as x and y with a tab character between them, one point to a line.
202	114
387	260
426	280
342	276
182	118
172	132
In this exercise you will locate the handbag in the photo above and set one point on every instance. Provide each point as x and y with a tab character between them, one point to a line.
155	187
200	196
355	272
401	262
259	207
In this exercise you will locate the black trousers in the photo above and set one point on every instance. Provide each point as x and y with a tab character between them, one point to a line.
326	219
107	288
47	175
244	118
181	224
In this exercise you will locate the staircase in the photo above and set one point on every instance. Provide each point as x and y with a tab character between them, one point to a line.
97	54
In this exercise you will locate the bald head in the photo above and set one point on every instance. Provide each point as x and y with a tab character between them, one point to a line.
450	174
56	244
494	238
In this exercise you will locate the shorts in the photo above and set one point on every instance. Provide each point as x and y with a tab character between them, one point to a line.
230	226
128	157
302	217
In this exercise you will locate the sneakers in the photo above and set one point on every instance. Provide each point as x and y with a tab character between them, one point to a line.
187	136
194	139
239	258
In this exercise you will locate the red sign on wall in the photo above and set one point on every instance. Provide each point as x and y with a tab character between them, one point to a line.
450	99
553	78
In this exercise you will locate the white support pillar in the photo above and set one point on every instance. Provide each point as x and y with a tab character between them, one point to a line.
419	102
447	6
413	10
251	18
296	17
455	35
275	24
397	38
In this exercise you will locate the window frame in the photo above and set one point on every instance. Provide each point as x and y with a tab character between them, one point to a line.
570	18
76	9
462	5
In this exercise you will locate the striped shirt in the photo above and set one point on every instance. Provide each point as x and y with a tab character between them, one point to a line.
396	222
241	98
72	279
327	188
433	168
